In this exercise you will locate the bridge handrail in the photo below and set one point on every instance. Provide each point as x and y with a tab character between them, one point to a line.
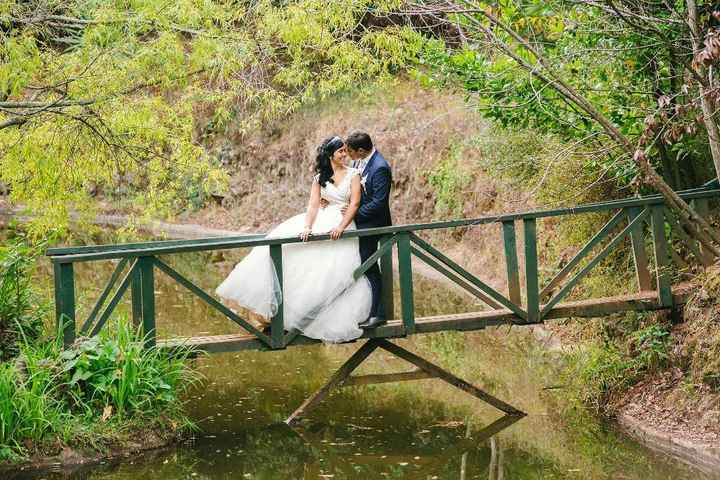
140	249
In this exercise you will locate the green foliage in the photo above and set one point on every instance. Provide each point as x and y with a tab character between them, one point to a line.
21	311
449	179
602	371
622	69
651	345
150	86
116	370
110	382
29	409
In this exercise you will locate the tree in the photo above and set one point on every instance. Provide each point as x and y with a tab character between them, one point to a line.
552	50
127	98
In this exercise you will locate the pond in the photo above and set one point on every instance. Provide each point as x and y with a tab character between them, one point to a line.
422	429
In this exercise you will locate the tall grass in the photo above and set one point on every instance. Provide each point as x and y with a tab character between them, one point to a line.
97	388
29	405
116	370
21	312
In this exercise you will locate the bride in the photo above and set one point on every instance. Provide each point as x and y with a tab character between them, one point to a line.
321	298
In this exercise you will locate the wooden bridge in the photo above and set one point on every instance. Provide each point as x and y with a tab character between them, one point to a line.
639	221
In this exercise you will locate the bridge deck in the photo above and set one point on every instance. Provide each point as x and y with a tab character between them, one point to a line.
643	301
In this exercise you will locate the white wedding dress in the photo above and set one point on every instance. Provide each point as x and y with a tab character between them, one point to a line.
321	298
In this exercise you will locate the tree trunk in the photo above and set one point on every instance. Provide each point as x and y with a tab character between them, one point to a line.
708	108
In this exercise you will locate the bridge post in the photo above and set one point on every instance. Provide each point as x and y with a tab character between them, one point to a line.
386	271
136	299
147	302
406	283
65	301
277	324
532	292
662	262
511	262
642	274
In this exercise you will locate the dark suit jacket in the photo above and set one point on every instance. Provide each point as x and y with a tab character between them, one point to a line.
374	208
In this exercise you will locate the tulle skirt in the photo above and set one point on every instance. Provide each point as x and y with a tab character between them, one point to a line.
321	298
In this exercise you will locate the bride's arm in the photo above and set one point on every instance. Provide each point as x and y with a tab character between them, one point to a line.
351	210
312	210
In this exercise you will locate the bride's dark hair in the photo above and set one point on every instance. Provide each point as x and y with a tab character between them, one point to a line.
325	152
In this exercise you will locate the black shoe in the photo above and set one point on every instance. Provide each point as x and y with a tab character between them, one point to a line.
373	322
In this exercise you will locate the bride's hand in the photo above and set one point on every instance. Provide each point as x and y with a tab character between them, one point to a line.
336	233
305	234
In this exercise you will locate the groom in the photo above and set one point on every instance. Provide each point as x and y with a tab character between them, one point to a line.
374	210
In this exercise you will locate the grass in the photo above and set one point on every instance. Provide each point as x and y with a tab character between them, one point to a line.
601	371
21	312
94	395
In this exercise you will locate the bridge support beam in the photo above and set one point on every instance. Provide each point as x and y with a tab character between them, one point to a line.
426	369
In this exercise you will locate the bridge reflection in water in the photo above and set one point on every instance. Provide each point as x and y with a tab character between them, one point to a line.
631	220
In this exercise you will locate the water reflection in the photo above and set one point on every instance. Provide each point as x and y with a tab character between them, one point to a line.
313	451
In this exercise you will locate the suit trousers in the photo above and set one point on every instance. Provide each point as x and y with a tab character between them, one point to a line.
368	246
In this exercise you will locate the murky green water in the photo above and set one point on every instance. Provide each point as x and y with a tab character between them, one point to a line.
414	430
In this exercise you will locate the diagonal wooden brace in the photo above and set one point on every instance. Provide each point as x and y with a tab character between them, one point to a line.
342	378
338	377
447	377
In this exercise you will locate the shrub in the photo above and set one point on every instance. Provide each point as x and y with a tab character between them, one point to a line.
115	373
604	370
21	311
449	180
598	373
89	392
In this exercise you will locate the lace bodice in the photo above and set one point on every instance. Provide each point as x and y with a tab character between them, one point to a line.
339	194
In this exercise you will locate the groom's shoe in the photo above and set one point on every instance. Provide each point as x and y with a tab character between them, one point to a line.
372	322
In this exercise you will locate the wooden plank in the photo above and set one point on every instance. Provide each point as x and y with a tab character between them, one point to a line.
198	245
277	324
373	259
337	378
375	379
145	266
454	278
512	267
567	288
662	261
103	296
472	321
448	377
64	279
117	296
407	301
532	280
584	251
637	241
211	301
469	277
386	273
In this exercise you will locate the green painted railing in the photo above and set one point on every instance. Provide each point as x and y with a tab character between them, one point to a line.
633	217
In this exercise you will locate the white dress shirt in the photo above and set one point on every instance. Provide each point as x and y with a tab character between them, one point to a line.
362	163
